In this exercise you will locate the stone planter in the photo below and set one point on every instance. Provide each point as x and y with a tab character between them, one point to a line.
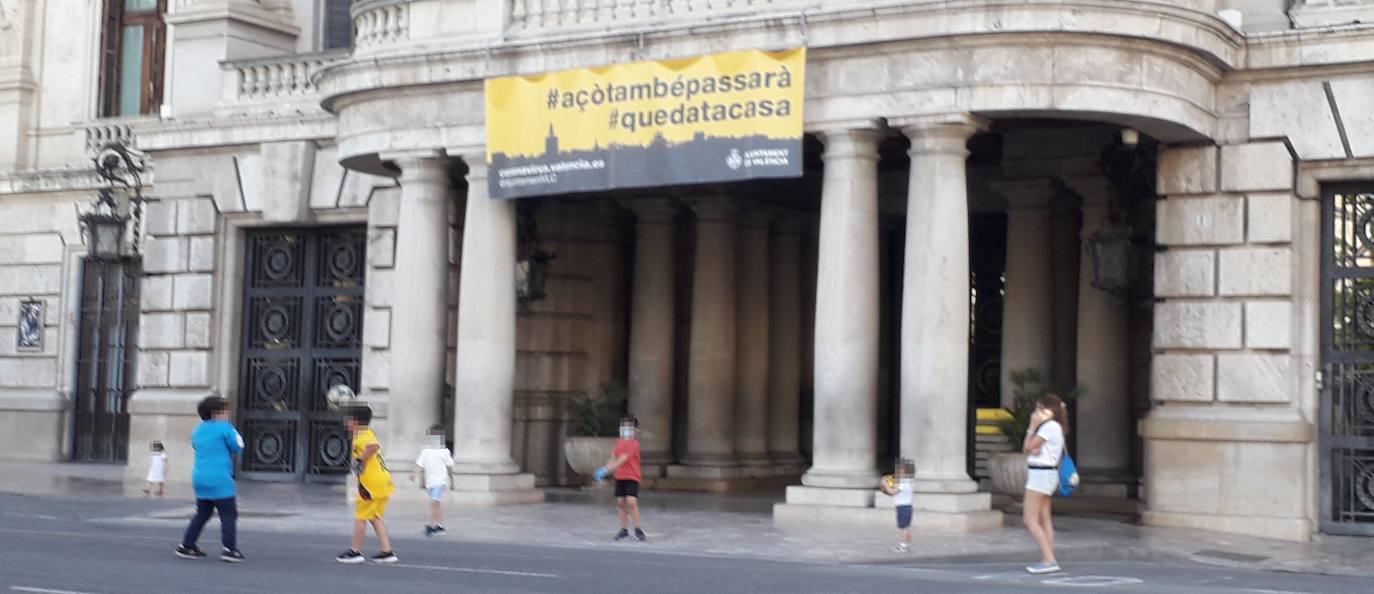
1007	471
586	454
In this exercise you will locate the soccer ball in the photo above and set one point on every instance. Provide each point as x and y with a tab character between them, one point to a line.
339	396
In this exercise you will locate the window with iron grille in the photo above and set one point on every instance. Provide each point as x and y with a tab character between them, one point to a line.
133	46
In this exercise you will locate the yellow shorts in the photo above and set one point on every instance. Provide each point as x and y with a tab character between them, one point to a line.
371	509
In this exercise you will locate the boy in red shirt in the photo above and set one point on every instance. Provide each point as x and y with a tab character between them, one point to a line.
625	463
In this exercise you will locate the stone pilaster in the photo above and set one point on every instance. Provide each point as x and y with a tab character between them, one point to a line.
1103	362
1028	310
419	304
485	374
752	339
935	315
651	330
1233	374
711	360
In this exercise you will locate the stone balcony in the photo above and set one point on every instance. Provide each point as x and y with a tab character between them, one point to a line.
275	83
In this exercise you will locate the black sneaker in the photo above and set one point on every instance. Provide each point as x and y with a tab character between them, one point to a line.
231	556
431	531
622	535
384	557
639	535
191	552
350	557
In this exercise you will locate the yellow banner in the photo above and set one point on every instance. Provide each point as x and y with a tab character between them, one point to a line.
719	117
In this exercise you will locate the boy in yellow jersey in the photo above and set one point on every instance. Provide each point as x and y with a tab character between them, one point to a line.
374	488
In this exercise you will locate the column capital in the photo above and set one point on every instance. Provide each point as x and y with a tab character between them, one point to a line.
855	139
1027	194
652	210
714	209
1095	190
946	133
420	165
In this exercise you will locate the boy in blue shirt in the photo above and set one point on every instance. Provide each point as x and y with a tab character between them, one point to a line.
216	442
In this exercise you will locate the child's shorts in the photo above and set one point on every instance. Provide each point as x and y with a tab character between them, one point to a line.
904	516
371	509
626	488
436	493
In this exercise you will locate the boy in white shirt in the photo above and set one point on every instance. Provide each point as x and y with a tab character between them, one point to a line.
900	488
157	469
436	464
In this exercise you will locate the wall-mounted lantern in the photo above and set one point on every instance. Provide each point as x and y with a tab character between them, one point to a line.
105	221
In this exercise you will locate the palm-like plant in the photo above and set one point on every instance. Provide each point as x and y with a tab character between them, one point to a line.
1027	388
599	414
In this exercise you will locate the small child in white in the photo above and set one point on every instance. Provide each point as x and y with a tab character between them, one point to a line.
900	488
436	464
157	469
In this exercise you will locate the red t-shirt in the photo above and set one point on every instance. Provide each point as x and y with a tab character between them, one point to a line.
629	471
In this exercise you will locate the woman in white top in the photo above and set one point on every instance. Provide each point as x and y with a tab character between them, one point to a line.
1044	446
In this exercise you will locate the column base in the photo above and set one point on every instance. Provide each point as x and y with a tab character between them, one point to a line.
868	508
494	489
1290	529
1108	484
716	479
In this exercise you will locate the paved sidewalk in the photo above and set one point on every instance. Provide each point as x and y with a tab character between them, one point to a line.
734	525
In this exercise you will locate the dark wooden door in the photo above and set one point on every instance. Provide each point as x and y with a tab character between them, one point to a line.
302	334
105	364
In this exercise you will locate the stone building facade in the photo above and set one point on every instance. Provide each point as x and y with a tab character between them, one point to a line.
317	214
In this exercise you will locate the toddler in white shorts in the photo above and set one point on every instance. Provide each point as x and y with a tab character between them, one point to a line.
435	464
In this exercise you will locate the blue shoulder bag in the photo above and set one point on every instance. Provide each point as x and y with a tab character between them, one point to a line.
1068	475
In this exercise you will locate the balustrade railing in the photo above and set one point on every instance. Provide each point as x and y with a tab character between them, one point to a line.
379	22
276	78
545	14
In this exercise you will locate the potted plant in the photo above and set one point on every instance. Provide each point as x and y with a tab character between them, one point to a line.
595	426
1007	470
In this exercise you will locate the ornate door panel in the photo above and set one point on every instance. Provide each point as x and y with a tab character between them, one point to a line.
1347	400
104	365
302	334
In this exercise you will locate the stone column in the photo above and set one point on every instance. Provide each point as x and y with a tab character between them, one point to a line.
484	379
711	359
651	330
784	343
1028	314
752	340
846	373
935	327
1103	362
419	310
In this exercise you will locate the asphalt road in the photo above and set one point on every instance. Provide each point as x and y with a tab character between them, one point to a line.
63	546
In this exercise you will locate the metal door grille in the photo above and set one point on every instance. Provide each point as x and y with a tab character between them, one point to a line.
104	365
1347	401
302	333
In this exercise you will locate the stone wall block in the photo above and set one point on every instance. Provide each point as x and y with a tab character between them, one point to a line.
1182	377
189	368
155	293
1269	325
163	255
1255	378
1187	170
202	254
377	328
45	248
384	209
160	216
1197	325
379	287
31	279
1269	218
1256	167
376	370
161	331
198	330
1185	273
1212	220
381	247
193	292
152	369
196	216
1255	272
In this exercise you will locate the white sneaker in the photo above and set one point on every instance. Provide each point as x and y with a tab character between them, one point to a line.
901	548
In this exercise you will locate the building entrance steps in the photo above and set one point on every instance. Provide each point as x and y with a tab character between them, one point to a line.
727	524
